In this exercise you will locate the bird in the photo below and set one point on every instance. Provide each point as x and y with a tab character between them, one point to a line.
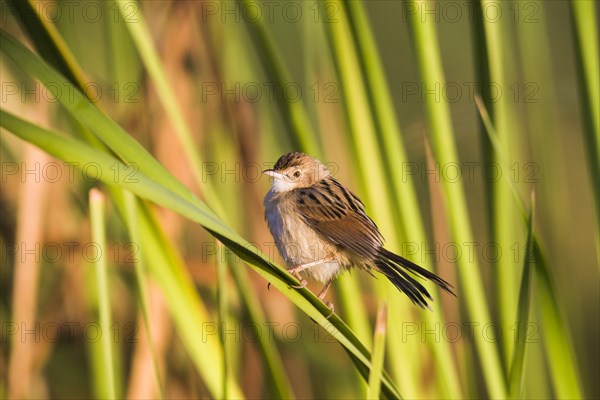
321	229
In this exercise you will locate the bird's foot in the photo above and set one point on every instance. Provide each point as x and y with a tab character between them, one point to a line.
303	281
331	308
321	297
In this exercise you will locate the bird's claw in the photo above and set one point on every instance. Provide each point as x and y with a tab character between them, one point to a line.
303	281
302	284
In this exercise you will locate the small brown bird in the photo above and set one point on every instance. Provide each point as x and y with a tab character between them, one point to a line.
321	228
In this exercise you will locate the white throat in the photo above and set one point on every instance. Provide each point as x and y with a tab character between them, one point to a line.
282	184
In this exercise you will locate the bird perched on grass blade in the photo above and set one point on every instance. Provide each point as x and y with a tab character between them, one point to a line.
321	229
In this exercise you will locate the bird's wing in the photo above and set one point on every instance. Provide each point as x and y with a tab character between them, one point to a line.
339	216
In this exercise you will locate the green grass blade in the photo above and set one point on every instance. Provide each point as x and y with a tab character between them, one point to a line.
90	116
293	113
378	352
282	386
141	37
362	134
516	367
482	74
222	314
168	269
504	219
53	48
165	266
557	341
585	26
411	228
48	41
543	117
384	119
141	278
233	203
360	121
499	153
440	125
99	237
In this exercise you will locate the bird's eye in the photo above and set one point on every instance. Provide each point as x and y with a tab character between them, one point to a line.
297	174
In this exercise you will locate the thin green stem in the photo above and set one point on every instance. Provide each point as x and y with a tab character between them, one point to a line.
440	125
97	201
141	278
378	352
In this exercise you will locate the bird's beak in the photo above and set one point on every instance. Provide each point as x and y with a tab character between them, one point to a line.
273	173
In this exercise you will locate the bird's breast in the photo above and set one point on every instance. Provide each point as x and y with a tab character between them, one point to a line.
297	242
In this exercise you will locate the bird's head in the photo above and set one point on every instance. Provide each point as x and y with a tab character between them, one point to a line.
296	170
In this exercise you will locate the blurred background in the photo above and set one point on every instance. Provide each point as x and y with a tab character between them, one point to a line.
216	91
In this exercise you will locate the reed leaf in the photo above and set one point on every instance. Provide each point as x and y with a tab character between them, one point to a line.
585	34
395	159
440	125
557	338
378	352
515	377
97	207
141	277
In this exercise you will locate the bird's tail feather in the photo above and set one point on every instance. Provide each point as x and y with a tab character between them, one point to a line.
395	268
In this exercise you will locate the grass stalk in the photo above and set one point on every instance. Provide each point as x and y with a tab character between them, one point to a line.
293	113
395	158
440	125
503	219
97	205
222	315
516	371
585	27
556	338
281	382
141	279
48	41
378	352
557	341
368	162
140	34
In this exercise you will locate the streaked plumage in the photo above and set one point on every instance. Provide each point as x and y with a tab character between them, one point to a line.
313	217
